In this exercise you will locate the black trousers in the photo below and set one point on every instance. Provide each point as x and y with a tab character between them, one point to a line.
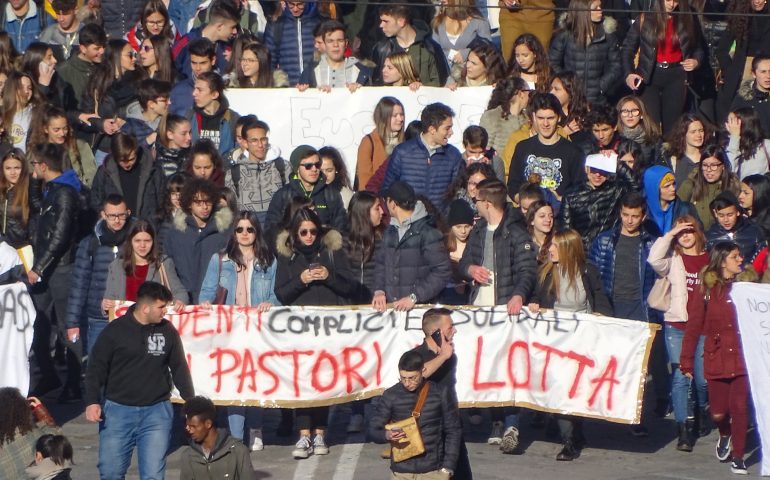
312	417
666	95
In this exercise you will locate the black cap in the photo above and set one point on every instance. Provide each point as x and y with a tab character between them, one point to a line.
460	213
402	193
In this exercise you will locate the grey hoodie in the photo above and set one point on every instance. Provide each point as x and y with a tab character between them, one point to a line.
418	213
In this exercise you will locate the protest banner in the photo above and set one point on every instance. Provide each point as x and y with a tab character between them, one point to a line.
17	316
752	303
341	119
561	362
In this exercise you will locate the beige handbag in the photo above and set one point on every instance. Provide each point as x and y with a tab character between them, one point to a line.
660	295
412	445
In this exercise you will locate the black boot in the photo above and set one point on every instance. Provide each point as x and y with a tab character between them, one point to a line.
704	420
684	444
568	453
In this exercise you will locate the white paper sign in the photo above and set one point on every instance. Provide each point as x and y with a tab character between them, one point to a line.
17	316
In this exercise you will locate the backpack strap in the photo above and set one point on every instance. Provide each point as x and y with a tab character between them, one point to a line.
280	164
235	174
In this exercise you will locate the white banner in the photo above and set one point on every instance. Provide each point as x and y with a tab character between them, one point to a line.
293	356
17	316
341	119
752	302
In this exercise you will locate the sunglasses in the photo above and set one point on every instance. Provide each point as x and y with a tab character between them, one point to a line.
148	48
311	166
248	230
305	232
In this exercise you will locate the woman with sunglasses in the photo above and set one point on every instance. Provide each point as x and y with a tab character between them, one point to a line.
313	269
246	269
155	59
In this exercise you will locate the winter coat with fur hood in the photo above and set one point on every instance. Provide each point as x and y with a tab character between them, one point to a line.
327	251
598	63
191	247
750	96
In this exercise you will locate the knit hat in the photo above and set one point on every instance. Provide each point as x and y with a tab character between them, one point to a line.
668	177
460	213
402	193
300	153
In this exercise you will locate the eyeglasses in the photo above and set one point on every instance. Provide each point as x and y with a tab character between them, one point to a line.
630	112
116	216
311	166
305	232
158	23
148	48
414	379
249	60
711	166
201	203
259	140
248	229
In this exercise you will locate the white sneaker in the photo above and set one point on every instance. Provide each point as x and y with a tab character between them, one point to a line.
510	440
319	446
256	440
356	423
496	437
303	448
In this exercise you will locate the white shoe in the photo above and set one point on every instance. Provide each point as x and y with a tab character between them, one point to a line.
319	446
256	440
356	423
303	448
496	437
510	440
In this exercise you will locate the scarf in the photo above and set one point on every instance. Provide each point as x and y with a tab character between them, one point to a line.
635	134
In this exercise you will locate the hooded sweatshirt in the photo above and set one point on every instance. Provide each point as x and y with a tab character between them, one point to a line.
418	214
68	177
652	179
228	459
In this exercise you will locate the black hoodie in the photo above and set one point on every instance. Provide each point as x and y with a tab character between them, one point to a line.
134	363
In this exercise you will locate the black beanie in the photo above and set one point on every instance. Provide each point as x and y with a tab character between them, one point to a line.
460	213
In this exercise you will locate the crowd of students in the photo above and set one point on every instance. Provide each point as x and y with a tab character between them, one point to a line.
616	149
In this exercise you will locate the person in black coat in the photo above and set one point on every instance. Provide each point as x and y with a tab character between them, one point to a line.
731	225
364	238
661	73
313	269
20	197
583	293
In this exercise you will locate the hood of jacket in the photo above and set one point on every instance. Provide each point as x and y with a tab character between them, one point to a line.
652	178
311	9
224	443
69	177
47	469
418	214
331	241
218	222
747	91
747	275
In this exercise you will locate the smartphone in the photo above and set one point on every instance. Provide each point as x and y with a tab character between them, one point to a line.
396	429
314	266
437	337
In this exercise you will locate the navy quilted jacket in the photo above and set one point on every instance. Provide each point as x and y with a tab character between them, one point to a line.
429	176
602	255
290	40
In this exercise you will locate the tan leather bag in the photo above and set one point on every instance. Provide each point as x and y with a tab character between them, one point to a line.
412	445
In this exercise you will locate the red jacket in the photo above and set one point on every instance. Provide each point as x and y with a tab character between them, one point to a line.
722	350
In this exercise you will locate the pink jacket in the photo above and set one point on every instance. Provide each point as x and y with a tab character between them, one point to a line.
667	263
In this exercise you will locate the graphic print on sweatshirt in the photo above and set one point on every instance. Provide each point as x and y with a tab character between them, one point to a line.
549	170
156	344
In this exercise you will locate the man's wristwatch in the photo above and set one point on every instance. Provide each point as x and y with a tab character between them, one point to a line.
413	298
446	470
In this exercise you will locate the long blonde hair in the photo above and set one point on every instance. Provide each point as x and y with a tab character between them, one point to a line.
572	261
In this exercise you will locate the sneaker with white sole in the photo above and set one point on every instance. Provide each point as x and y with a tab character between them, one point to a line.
723	448
738	467
256	440
319	445
496	437
303	448
356	423
510	440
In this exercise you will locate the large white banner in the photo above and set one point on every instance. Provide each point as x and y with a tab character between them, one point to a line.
341	119
17	316
752	302
292	356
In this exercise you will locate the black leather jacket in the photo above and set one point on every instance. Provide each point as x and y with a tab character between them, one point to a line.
12	225
57	227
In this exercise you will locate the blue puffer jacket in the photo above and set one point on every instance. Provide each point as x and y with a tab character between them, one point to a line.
602	255
89	277
429	176
290	40
262	282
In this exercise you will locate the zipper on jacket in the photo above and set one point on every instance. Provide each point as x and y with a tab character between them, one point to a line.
299	43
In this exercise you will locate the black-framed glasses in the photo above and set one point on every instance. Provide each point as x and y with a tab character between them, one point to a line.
116	216
247	229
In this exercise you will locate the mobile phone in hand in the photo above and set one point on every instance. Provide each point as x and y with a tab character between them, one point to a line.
314	266
437	337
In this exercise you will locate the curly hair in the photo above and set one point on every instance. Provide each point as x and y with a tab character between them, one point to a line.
541	66
16	416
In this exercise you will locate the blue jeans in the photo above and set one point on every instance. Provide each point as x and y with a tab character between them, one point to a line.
95	327
122	428
242	419
680	385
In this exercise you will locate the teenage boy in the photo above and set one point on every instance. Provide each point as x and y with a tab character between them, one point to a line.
143	119
730	225
663	206
427	162
23	20
558	162
333	70
62	36
76	70
220	29
202	58
290	37
602	122
403	36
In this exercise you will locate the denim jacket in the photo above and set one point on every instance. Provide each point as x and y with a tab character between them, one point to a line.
262	282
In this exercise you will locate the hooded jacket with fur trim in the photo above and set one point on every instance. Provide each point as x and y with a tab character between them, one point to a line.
750	96
328	252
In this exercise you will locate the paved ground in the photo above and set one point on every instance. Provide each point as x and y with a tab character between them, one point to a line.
612	453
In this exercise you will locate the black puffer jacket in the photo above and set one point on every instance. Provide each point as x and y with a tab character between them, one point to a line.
515	258
592	283
598	64
439	424
57	226
12	226
750	96
647	45
417	262
327	201
747	234
335	290
591	210
363	274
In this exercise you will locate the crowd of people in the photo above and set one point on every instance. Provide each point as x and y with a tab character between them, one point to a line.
620	168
